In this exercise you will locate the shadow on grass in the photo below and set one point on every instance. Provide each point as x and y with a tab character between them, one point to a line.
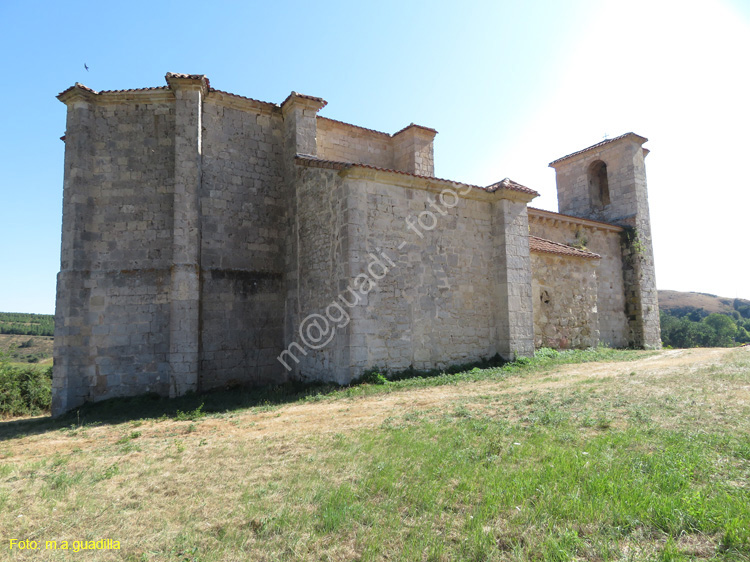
153	406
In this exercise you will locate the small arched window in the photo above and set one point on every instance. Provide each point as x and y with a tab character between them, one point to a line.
598	184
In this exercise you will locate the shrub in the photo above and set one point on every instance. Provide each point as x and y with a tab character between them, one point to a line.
373	377
546	353
24	390
190	415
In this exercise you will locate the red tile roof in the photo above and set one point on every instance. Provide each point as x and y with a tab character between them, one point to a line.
133	90
508	183
86	88
597	145
542	245
313	162
77	85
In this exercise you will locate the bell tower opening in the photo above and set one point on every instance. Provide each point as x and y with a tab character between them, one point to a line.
598	185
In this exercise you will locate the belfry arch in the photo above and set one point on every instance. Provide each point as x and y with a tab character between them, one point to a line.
598	184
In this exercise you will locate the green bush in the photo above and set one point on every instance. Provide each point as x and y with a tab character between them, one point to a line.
372	377
24	390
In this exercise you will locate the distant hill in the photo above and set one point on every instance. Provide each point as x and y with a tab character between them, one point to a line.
679	303
26	324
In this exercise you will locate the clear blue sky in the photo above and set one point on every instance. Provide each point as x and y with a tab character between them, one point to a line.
510	86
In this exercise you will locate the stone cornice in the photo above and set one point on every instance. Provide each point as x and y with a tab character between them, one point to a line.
188	82
301	100
135	96
389	177
541	215
466	191
416	130
505	189
78	92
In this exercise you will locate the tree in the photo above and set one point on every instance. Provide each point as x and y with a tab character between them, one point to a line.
724	327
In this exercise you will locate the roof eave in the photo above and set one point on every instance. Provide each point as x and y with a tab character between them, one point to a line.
594	147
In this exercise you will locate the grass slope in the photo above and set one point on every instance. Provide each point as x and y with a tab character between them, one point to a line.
644	458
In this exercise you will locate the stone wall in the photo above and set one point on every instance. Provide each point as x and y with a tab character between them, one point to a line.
413	150
511	275
565	301
433	307
403	271
242	206
173	245
349	143
626	205
409	150
112	314
198	244
605	241
624	161
323	272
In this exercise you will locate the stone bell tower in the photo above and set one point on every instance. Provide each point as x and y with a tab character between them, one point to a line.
607	182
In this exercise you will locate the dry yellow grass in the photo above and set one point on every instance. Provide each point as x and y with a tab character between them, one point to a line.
169	490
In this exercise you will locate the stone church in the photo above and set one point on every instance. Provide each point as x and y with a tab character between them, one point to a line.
212	240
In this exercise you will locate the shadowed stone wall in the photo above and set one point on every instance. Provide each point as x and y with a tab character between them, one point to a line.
112	314
243	208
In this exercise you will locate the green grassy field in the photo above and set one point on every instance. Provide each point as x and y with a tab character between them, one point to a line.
627	456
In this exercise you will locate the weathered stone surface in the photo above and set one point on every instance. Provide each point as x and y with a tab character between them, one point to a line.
200	249
565	301
620	198
604	241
